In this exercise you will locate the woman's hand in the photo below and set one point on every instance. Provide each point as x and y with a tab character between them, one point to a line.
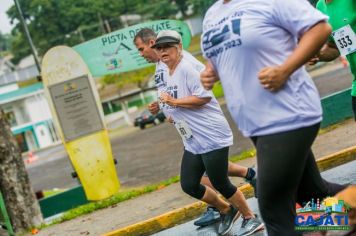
168	99
153	108
170	120
273	78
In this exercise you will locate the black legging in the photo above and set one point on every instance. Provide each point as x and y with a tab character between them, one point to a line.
215	163
287	172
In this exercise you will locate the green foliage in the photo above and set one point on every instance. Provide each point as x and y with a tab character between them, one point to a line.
218	90
157	9
182	6
200	6
195	44
139	78
5	41
67	22
117	198
19	48
52	22
244	155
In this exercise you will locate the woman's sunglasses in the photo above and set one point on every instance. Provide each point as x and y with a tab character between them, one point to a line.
164	46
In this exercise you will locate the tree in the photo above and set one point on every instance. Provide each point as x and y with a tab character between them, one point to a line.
20	201
157	9
5	41
139	78
200	6
182	6
64	22
67	22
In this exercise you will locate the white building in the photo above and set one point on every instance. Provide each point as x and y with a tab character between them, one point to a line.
29	115
25	70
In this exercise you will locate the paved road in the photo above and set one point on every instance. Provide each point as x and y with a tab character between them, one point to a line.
344	174
150	155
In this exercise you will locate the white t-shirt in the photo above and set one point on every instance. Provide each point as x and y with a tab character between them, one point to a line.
242	37
210	130
162	69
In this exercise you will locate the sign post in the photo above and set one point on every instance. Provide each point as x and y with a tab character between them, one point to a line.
116	53
75	103
78	115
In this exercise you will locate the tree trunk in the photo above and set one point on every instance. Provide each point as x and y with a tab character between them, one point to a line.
20	200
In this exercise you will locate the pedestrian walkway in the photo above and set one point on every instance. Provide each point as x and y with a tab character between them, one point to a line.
343	174
151	205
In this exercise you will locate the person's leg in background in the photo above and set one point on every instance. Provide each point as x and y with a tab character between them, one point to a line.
312	185
234	170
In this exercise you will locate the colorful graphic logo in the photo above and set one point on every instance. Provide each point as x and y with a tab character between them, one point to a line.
329	214
69	87
113	64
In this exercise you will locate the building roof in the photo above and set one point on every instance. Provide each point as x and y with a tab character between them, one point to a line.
20	93
6	65
26	62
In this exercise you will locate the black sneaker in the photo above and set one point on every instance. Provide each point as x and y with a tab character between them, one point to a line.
211	216
253	182
250	226
227	220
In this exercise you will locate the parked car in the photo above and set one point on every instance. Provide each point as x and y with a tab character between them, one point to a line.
147	118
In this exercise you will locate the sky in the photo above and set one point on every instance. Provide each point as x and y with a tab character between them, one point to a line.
5	26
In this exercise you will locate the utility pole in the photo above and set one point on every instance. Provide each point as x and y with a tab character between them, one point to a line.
101	23
79	31
28	36
126	12
107	24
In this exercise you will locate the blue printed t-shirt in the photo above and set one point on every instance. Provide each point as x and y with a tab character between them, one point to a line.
242	37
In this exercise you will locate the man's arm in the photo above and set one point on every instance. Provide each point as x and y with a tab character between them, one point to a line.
328	52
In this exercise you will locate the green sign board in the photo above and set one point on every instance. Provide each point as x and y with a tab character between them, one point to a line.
115	52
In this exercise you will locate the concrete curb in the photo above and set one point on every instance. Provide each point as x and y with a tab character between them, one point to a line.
191	211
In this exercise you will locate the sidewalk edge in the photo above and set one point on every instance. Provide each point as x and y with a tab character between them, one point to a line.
188	212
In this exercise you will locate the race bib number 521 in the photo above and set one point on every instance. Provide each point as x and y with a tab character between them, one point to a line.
345	40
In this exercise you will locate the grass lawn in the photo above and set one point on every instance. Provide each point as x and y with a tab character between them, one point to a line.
194	44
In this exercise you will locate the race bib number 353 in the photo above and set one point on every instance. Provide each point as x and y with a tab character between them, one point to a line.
345	40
